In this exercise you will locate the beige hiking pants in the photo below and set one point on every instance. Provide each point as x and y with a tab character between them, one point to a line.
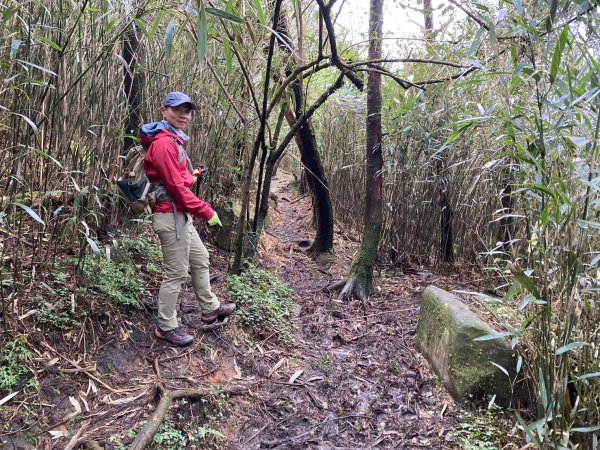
187	254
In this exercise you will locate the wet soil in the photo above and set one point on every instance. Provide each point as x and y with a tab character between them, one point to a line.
351	380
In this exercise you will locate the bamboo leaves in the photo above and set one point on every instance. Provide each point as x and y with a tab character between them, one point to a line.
49	42
31	213
259	12
569	347
493	336
524	280
202	31
14	48
36	66
558	53
28	120
169	36
224	15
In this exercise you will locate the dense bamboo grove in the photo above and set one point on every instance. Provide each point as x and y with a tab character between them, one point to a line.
490	148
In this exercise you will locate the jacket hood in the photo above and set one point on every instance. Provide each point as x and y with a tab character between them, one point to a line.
152	131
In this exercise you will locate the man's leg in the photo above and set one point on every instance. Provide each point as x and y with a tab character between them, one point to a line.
199	265
176	260
211	308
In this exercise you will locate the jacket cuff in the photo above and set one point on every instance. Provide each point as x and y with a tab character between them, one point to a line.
208	215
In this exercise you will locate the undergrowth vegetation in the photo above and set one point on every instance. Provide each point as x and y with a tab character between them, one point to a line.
490	151
482	431
193	425
119	283
14	360
266	305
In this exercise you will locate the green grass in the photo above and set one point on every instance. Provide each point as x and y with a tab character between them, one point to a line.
480	431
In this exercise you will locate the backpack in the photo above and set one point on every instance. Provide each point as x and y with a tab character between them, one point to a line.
139	192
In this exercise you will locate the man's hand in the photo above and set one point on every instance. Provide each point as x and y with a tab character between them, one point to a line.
215	221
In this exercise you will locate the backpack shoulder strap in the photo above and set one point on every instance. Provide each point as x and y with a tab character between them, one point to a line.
183	154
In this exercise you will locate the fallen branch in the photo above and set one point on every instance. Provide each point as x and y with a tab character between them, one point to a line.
147	434
85	371
74	440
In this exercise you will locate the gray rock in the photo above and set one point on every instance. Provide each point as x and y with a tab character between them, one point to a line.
229	215
445	335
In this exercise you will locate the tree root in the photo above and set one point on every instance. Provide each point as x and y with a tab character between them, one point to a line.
336	286
214	325
349	288
145	437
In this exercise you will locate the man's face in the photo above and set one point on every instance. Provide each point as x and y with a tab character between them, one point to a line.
178	116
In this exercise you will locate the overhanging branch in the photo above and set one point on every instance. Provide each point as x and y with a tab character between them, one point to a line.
344	68
307	115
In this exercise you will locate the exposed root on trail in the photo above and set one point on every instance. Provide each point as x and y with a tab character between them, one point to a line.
145	437
350	287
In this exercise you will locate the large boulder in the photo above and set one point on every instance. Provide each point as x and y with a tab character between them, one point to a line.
445	335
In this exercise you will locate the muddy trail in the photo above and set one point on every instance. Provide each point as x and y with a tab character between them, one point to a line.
363	383
352	378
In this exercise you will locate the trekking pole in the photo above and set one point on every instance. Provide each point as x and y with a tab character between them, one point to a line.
200	178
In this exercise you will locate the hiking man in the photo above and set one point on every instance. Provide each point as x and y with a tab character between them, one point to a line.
166	164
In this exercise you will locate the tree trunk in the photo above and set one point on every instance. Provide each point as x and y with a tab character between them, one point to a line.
428	15
259	143
446	216
133	82
309	154
276	154
505	231
446	213
315	178
360	280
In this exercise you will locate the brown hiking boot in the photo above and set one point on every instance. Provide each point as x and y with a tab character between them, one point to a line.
220	313
175	337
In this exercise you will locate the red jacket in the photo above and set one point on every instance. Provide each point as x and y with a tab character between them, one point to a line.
162	165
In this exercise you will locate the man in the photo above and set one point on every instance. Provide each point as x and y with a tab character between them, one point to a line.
166	165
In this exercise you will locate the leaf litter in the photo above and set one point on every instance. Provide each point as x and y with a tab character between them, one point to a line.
352	378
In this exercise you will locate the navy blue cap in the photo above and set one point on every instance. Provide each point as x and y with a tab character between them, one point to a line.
176	99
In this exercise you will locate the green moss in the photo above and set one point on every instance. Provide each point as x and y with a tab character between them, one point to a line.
446	334
435	319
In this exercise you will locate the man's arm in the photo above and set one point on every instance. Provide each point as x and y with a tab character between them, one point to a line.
165	158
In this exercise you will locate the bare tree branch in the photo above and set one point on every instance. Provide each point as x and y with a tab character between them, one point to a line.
470	14
451	78
344	68
412	60
307	115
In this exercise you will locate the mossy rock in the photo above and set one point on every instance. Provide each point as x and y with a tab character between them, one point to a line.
445	335
229	213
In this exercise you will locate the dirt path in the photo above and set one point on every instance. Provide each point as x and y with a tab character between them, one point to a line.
363	384
352	380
